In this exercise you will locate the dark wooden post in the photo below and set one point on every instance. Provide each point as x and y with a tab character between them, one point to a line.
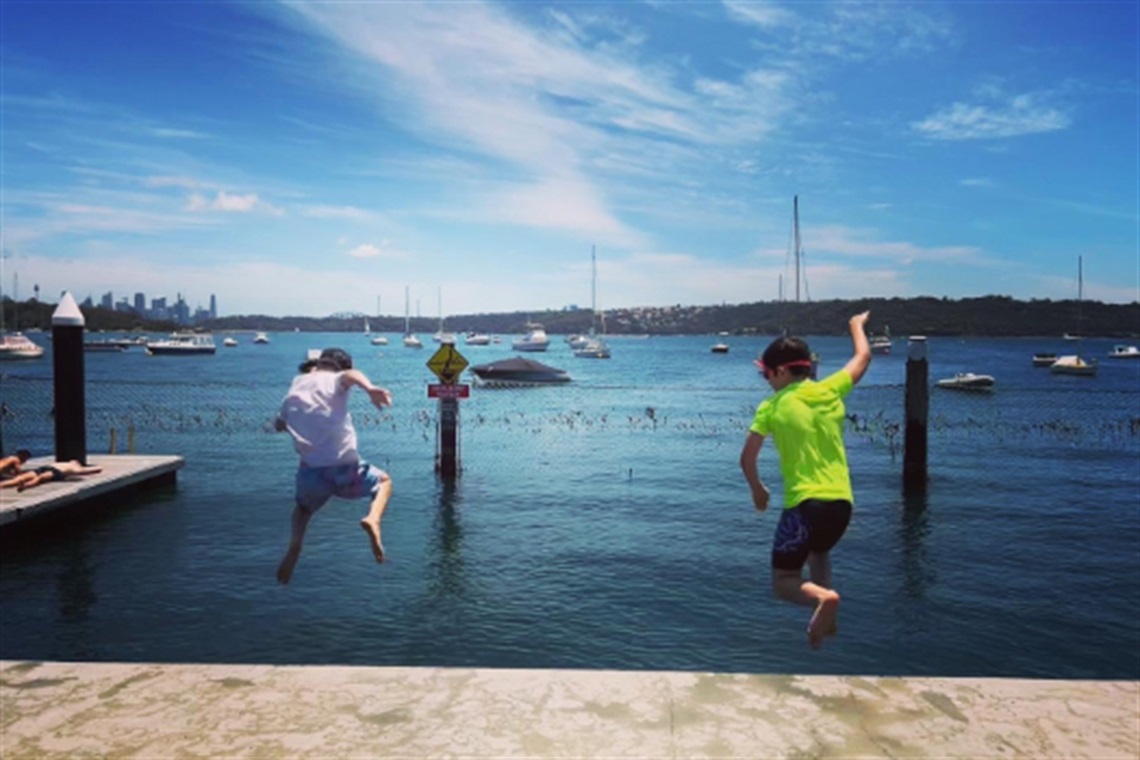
917	409
69	382
448	437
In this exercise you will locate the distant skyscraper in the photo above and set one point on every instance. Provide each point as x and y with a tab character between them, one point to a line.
158	304
213	306
108	300
140	303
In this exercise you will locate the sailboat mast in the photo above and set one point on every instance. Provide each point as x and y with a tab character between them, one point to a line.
593	289
796	221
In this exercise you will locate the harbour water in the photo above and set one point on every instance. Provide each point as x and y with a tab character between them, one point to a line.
600	524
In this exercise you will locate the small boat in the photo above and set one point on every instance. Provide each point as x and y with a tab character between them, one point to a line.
184	344
1044	359
229	342
476	339
595	348
261	338
518	372
410	341
16	345
534	340
379	340
577	341
720	348
1073	365
1124	352
968	381
591	346
881	344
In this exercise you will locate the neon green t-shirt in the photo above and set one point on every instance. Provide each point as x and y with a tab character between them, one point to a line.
805	420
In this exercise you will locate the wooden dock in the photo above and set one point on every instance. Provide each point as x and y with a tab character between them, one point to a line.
123	476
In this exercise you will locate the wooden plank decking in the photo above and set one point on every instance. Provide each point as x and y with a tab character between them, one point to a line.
122	476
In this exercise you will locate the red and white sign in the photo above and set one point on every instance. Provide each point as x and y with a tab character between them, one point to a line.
449	391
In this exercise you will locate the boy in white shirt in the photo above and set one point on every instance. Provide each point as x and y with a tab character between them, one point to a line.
315	414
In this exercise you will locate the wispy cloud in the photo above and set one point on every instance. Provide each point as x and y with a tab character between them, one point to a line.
348	213
370	251
848	242
231	203
1011	116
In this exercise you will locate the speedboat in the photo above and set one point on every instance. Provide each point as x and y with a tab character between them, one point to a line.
577	341
595	348
19	346
182	344
534	340
1073	365
516	372
1044	360
379	340
1124	352
261	338
720	348
968	381
229	342
476	339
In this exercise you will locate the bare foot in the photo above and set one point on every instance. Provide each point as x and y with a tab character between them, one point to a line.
823	620
373	531
285	569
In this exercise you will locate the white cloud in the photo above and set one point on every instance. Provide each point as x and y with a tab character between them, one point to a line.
349	213
230	203
759	13
1015	116
370	251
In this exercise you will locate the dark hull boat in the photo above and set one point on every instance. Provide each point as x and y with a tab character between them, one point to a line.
517	371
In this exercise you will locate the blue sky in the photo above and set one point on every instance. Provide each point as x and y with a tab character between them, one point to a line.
310	158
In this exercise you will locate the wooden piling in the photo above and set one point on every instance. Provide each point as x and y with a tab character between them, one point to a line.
917	413
68	381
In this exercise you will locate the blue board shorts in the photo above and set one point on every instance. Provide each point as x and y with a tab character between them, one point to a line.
813	525
316	485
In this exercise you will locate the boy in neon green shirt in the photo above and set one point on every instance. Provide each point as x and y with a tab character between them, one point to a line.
805	419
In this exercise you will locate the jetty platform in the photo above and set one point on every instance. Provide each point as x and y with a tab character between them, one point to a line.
70	709
123	476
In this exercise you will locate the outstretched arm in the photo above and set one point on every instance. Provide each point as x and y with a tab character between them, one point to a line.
748	457
380	397
858	363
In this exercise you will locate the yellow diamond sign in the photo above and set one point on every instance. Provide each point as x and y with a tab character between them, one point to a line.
447	364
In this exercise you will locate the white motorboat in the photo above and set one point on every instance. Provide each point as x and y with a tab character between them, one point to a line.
229	342
594	349
379	340
1124	352
1044	359
182	344
968	381
881	344
261	338
720	348
16	345
1073	364
577	341
518	372
534	340
476	339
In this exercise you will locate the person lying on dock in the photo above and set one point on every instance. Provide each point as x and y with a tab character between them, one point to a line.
315	413
49	473
14	464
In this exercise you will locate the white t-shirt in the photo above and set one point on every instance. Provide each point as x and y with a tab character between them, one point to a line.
315	412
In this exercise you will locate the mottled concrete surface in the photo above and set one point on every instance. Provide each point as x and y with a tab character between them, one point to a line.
76	710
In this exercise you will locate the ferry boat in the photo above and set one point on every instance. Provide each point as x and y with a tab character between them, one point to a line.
182	344
16	345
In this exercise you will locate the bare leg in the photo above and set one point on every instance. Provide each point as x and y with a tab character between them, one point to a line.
301	519
791	587
20	481
819	568
371	523
35	480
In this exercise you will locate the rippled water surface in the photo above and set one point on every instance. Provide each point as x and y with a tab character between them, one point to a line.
603	524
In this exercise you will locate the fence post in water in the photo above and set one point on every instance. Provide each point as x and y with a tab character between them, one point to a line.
917	408
68	381
448	437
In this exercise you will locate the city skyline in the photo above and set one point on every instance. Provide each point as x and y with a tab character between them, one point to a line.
317	157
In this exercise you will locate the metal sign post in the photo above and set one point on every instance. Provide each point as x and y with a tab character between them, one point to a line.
448	364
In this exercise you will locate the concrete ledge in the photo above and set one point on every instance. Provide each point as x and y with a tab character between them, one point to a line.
122	475
145	710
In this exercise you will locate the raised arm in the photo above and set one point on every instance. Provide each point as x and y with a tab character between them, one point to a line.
858	363
380	397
